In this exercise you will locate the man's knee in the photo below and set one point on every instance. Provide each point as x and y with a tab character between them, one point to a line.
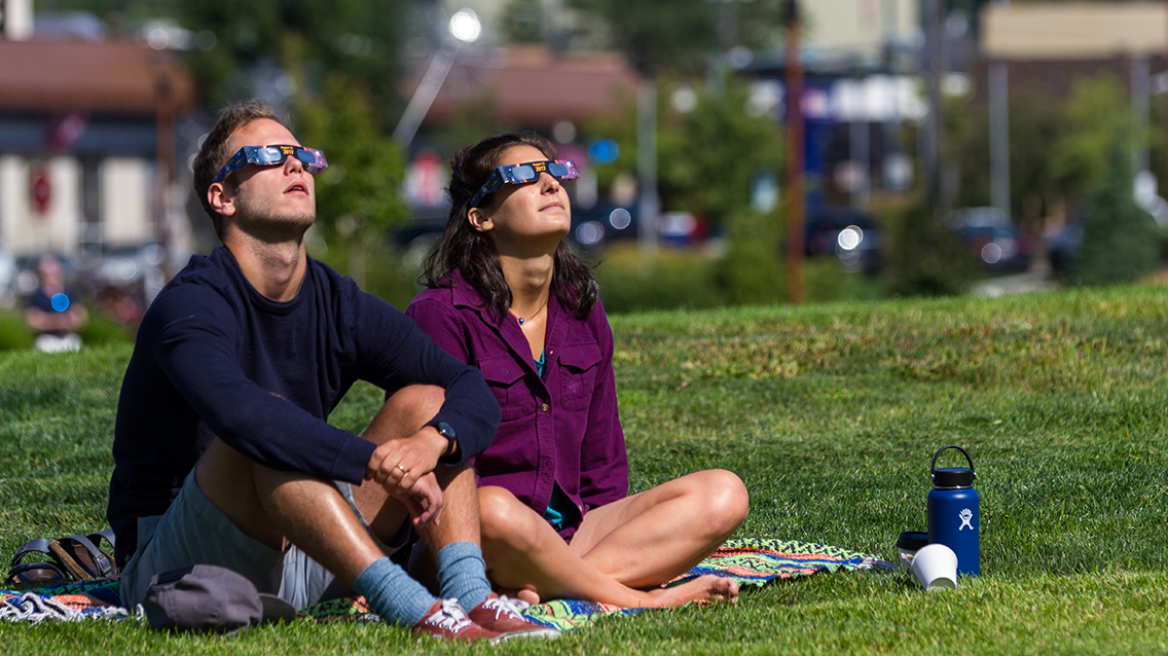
405	412
420	396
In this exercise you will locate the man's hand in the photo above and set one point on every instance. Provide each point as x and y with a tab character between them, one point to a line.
399	465
426	501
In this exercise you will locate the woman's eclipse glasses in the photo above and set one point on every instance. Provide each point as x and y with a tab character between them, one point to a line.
313	159
523	173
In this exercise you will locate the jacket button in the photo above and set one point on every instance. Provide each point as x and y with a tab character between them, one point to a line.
543	407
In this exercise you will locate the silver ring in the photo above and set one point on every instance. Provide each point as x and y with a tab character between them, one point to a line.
402	469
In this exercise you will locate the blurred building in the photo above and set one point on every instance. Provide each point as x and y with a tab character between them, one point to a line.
1047	46
861	63
533	87
1041	49
525	87
863	32
87	155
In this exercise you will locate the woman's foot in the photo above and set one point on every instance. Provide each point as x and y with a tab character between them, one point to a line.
702	589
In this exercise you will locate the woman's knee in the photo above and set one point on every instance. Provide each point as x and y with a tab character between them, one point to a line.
727	500
503	517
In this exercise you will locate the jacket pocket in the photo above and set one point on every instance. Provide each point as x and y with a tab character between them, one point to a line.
505	378
578	375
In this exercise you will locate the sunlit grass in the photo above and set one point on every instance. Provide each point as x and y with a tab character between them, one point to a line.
830	414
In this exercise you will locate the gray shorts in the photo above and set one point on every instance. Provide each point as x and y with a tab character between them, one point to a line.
193	531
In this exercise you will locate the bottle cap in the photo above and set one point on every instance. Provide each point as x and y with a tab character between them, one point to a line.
953	477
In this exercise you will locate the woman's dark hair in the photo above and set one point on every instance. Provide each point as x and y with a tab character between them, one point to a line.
473	254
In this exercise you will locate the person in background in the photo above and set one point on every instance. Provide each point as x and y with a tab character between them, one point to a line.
54	311
507	295
223	454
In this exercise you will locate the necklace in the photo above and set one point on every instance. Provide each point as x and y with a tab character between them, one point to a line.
541	309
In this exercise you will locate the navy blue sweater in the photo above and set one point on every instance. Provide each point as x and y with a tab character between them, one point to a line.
215	357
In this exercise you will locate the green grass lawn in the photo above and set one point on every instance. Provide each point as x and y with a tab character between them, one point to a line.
830	414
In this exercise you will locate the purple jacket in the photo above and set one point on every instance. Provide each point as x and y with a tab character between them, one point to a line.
563	428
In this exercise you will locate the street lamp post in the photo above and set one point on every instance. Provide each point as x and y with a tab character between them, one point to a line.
464	28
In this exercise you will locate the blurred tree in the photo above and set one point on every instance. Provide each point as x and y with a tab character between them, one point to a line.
655	35
357	38
1096	112
358	196
1121	241
709	157
1057	150
523	21
1037	127
240	46
751	272
471	122
925	258
679	35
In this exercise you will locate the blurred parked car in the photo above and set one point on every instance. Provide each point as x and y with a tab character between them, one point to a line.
849	234
996	242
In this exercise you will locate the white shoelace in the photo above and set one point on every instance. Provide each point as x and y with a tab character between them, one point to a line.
504	605
450	616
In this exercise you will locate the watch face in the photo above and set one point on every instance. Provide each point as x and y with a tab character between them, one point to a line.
445	430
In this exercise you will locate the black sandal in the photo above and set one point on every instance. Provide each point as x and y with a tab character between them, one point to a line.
44	572
82	557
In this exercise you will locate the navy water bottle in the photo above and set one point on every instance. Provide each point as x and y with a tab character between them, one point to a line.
954	513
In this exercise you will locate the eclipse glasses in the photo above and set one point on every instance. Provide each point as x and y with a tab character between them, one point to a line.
313	159
522	173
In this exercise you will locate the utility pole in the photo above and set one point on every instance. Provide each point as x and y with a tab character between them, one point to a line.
795	201
998	90
648	204
932	140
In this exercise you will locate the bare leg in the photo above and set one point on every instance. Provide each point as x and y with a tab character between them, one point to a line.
273	506
270	505
656	535
404	414
524	553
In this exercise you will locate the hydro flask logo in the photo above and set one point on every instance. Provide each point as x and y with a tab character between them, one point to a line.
966	516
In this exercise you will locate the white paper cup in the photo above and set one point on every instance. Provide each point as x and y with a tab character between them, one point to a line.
935	566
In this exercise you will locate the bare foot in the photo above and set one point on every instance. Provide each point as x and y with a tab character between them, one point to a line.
523	594
702	589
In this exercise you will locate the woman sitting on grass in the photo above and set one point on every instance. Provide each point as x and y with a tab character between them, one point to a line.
508	295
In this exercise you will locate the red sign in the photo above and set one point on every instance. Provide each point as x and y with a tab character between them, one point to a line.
40	189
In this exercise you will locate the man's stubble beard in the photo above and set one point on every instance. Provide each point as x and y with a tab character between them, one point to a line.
265	224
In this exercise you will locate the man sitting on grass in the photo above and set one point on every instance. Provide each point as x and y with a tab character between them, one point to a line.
222	452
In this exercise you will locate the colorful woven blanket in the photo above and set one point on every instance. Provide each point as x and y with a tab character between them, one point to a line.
748	561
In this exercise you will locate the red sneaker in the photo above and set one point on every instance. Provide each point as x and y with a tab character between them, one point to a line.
504	616
448	621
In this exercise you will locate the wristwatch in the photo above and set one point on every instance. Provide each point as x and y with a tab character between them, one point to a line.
447	431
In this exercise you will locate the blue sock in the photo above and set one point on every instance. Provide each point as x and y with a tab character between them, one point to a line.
392	594
462	574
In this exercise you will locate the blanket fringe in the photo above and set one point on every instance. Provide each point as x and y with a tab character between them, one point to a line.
34	608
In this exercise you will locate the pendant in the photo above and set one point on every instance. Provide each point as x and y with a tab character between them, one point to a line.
520	321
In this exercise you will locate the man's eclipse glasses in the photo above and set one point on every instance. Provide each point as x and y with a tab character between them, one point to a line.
523	173
313	159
